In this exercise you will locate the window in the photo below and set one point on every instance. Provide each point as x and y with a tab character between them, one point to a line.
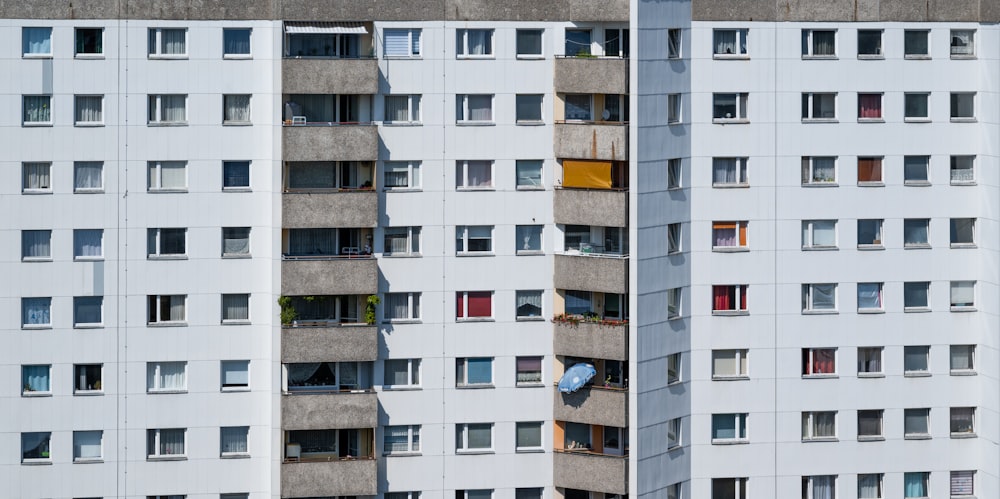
673	368
474	371
473	175
402	109
729	364
87	378
327	377
963	170
674	173
963	232
674	43
36	245
578	107
869	297
870	425
578	42
472	305
819	487
473	437
729	488
401	373
819	43
88	110
529	239
236	308
819	107
167	109
963	421
236	109
673	238
529	174
233	441
729	43
235	241
88	176
674	303
674	439
963	43
729	299
36	380
400	175
962	359
36	42
235	175
471	239
819	425
729	172
165	309
35	312
819	170
869	107
166	242
401	307
869	233
165	443
474	43
401	42
529	304
35	446
401	241
963	295
729	428
963	106
869	171
729	107
167	176
36	177
235	375
167	42
37	110
673	108
532	493
166	376
819	234
916	360
528	436
819	297
474	494
529	43
401	440
962	483
916	169
528	108
915	232
869	362
916	484
529	371
870	44
915	107
916	44
915	295
819	361
236	43
87	311
87	445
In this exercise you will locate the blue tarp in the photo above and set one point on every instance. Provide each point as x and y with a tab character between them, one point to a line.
576	376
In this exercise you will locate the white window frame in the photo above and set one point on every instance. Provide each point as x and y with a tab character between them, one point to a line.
742	103
742	428
809	430
963	306
881	44
76	111
957	52
234	163
24	114
413	109
541	44
809	357
48	447
235	255
927	292
971	356
962	244
77	458
809	235
527	292
24	246
96	387
412	441
462	44
41	300
972	422
927	231
736	356
674	366
154	180
155	43
925	353
742	37
412	234
84	325
675	173
410	32
248	55
27	391
675	43
809	48
926	118
673	303
412	305
957	164
741	290
413	367
881	108
159	299
918	161
462	437
880	287
881	363
808	483
954	107
412	175
225	108
809	107
541	437
674	109
541	109
154	377
465	302
234	366
927	38
675	434
675	233
927	422
239	320
462	231
76	178
541	371
741	173
739	485
881	425
809	299
155	242
155	113
461	364
742	226
244	433
956	485
154	453
35	55
528	182
40	187
809	169
462	176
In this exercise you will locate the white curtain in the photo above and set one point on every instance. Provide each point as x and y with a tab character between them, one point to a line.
869	295
480	173
397	174
870	360
36	243
529	303
237	107
725	42
823	296
234	440
396	438
89	108
237	41
236	307
36	378
961	357
236	240
172	174
479	41
236	373
397	306
724	170
171	442
36	310
480	107
914	232
395	240
88	242
312	242
173	41
397	108
177	307
37	109
824	43
37	40
823	487
87	444
172	375
88	174
724	236
963	293
173	108
36	175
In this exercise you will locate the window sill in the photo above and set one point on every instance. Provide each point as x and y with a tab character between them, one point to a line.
88	125
401	388
530	188
475	189
963	245
37	124
402	189
674	122
871	311
871	184
165	392
535	318
731	57
36	326
870	247
820	376
529	252
916	374
166	191
402	454
730	121
36	394
36	259
235	389
237	123
871	57
820	184
237	57
963	120
730	378
173	57
475	319
235	455
729	442
240	322
87	460
871	439
475	387
675	382
242	188
871	120
917	183
166	123
474	452
730	249
820	312
916	120
402	255
916	246
966	57
167	324
537	384
402	123
483	57
475	253
916	310
402	321
916	437
730	186
88	326
36	56
529	122
36	462
963	182
166	257
871	375
820	439
476	123
166	458
820	248
99	190
671	448
725	313
820	120
391	57
529	450
954	308
962	372
35	192
960	436
88	393
917	57
236	256
530	57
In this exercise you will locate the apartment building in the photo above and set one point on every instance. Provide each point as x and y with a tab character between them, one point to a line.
315	249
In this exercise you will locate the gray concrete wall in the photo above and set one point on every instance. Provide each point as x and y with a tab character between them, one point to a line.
591	207
329	411
329	344
591	273
331	478
592	406
337	276
584	141
590	340
303	210
138	9
584	75
329	76
987	11
577	470
330	143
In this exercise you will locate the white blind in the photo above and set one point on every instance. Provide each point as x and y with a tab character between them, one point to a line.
397	42
961	483
87	444
235	373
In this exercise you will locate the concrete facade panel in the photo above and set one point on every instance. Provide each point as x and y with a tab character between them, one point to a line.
733	10
587	10
329	344
336	209
591	207
592	406
330	143
598	473
337	276
589	273
810	10
587	339
582	141
986	11
329	478
583	75
329	76
142	9
360	10
329	411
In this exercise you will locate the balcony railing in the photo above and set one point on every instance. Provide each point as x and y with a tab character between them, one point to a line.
333	476
607	406
323	209
329	275
329	343
590	471
596	207
591	75
597	340
329	141
329	75
588	271
317	411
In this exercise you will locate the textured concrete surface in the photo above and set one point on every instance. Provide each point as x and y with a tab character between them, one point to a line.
589	10
329	76
590	340
592	406
581	75
337	276
591	273
608	474
330	143
357	477
304	210
359	10
329	411
986	11
137	9
329	344
585	141
591	207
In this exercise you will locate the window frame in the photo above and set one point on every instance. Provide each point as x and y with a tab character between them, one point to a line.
462	306
77	177
740	171
44	448
809	43
741	427
541	299
880	50
742	100
158	310
955	166
916	161
957	105
927	42
233	55
154	377
224	239
810	427
463	232
877	166
462	44
80	372
674	368
925	481
32	183
810	482
541	44
969	420
675	234
413	374
41	302
741	302
38	236
863	361
529	448
413	110
24	43
675	434
912	226
232	121
244	433
156	241
881	107
927	295
26	387
239	320
154	176
675	172
462	439
412	175
741	42
46	104
518	372
963	306
227	177
156	40
740	360
675	43
462	177
955	233
957	487
879	288
236	367
79	301
923	351
155	110
809	306
809	228
153	437
970	356
737	484
809	172
876	416
527	182
77	458
462	373
810	361
926	118
674	109
412	309
674	303
958	53
541	109
410	43
809	105
412	440
412	235
76	111
524	234
917	435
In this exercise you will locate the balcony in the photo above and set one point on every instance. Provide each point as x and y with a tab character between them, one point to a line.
590	340
591	471
356	409
321	209
329	76
337	477
329	142
590	140
593	272
591	75
345	275
608	208
329	344
593	405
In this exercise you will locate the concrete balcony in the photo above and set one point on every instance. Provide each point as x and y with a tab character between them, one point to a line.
329	344
329	76
586	75
352	477
607	142
321	411
590	340
593	472
603	208
593	405
319	209
607	274
329	142
333	276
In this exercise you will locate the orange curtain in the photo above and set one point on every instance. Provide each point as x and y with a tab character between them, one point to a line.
587	174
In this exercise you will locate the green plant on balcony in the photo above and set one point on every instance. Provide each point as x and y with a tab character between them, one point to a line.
589	317
288	313
370	303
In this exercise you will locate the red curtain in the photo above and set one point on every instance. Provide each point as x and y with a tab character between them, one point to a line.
869	106
480	304
722	298
823	362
